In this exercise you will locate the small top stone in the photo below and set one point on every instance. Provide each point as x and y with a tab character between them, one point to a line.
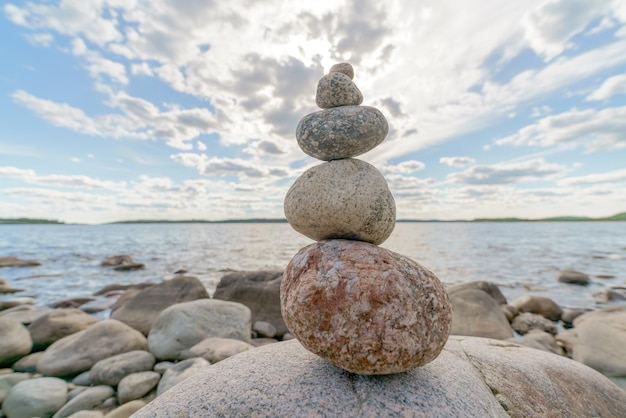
337	89
344	68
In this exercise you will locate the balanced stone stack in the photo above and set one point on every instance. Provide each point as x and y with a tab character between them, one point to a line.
361	307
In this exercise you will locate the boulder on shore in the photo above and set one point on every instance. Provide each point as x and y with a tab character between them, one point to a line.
472	377
17	262
541	305
122	263
15	341
80	351
57	324
183	325
144	307
110	371
40	397
601	340
573	277
259	291
476	313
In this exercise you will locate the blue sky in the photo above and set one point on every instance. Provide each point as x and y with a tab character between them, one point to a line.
120	109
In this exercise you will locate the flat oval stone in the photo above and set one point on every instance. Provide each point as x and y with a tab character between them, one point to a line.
337	89
365	309
346	198
344	68
341	132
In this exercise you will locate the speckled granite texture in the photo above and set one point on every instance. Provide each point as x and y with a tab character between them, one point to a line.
344	68
341	132
364	308
342	199
337	89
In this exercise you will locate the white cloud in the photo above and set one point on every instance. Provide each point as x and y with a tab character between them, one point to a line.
140	119
43	39
508	173
596	178
58	180
96	65
228	166
201	146
405	167
68	17
612	86
457	161
550	27
594	129
540	111
141	69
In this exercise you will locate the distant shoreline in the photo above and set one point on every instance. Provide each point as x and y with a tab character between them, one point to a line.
29	221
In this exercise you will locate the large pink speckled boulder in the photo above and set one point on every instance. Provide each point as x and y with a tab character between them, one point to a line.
363	308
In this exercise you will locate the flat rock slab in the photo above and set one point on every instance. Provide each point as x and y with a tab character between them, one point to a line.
473	377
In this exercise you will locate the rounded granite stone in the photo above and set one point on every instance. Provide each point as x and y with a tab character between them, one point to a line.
344	68
365	309
341	132
346	198
336	89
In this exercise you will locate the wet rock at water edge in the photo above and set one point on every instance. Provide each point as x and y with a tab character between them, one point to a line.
573	277
569	315
337	89
341	132
526	322
541	305
343	199
18	262
363	308
5	287
122	263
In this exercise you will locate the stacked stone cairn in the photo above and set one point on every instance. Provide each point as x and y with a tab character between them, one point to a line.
363	308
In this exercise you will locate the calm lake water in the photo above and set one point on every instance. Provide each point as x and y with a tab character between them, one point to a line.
520	257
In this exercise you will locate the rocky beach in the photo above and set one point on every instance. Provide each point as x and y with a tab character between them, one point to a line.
64	362
345	328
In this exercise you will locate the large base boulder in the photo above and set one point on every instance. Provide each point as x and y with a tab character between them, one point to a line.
472	377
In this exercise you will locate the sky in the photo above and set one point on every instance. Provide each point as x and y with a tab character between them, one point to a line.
187	109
